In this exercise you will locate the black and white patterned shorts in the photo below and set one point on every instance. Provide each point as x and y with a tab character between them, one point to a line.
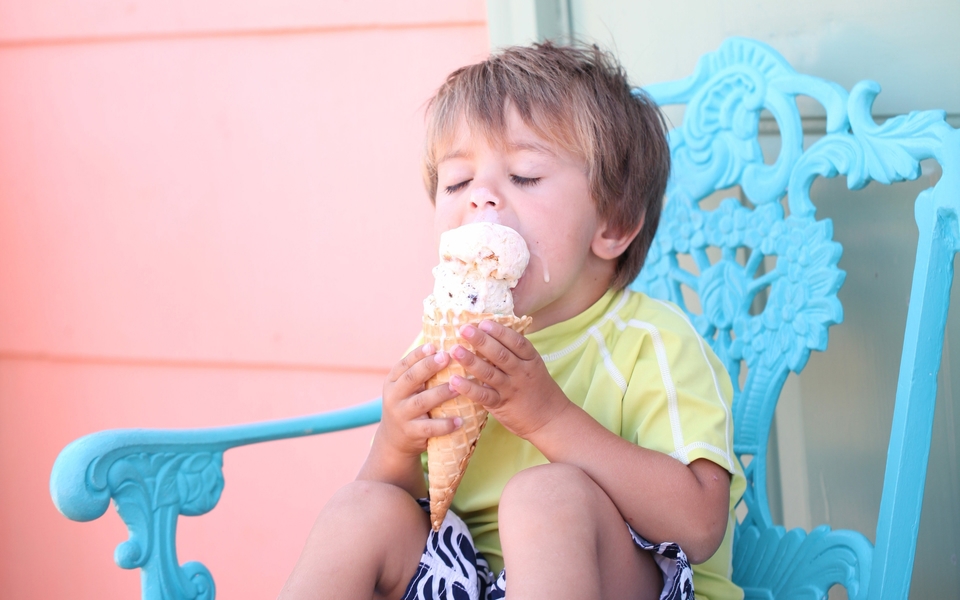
452	569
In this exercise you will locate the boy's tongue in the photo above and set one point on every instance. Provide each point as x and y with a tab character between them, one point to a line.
480	264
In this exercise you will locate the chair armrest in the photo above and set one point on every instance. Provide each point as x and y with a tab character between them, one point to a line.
155	475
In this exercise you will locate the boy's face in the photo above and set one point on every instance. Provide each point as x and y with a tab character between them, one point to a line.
543	193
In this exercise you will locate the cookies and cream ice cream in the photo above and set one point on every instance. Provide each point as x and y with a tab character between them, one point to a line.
480	264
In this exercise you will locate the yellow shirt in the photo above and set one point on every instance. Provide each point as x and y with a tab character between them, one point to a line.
638	367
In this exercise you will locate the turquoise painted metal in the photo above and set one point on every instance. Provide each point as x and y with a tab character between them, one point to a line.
716	148
761	252
153	476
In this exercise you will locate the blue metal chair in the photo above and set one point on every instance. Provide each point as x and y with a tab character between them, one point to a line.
154	476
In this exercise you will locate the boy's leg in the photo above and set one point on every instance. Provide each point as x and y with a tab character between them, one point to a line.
563	538
366	543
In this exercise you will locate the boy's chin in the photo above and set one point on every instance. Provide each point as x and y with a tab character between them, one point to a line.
520	306
524	305
521	299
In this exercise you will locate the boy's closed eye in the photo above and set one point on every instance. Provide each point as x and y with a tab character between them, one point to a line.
452	189
516	179
524	181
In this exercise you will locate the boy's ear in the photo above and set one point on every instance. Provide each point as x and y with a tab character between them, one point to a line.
609	244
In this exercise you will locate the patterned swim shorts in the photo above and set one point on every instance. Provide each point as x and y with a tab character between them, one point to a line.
452	569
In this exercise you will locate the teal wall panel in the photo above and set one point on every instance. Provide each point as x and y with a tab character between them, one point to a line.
909	47
847	392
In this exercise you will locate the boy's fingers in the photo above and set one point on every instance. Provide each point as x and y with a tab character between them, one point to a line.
409	360
425	401
428	428
411	380
511	340
489	348
484	395
480	369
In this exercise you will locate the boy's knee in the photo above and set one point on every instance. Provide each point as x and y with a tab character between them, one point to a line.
552	491
374	532
370	501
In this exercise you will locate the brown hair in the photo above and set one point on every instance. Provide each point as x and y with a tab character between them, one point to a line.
578	98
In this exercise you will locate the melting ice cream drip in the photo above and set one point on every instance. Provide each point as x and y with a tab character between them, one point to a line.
543	265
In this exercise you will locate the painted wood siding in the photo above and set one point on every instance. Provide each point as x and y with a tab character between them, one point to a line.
210	213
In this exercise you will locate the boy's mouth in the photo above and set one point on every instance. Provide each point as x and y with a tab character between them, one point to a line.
487	215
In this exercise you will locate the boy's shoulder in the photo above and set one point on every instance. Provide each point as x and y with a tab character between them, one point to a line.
622	319
664	313
642	319
636	311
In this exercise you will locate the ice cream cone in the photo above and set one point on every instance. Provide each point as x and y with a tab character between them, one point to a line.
448	455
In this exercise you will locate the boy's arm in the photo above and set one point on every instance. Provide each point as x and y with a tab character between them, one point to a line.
401	438
390	467
659	496
663	499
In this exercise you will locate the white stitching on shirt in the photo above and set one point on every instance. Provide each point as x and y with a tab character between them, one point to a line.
660	350
705	446
586	336
716	383
608	360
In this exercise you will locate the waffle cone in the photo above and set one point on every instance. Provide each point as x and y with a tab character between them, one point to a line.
448	455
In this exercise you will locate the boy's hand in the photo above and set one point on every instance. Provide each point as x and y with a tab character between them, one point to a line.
406	425
512	383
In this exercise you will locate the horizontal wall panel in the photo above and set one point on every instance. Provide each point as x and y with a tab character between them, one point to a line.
65	20
239	201
272	494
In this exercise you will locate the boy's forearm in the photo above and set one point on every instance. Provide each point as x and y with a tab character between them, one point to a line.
402	471
663	499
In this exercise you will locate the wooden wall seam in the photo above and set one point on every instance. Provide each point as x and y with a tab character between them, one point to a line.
166	363
237	33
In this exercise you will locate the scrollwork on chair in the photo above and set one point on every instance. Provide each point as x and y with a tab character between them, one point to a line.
151	484
792	259
150	491
154	476
795	565
715	148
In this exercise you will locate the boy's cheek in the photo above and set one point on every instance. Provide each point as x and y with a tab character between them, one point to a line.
445	217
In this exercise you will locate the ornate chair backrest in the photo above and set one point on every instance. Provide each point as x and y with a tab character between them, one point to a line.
735	257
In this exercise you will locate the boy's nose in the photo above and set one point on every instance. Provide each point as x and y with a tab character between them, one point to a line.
481	198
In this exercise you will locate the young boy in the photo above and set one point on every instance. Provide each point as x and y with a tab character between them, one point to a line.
610	422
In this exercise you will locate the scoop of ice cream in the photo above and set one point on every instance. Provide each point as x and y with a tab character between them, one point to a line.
480	263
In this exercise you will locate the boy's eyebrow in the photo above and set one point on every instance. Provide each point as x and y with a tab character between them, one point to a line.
451	154
510	147
532	147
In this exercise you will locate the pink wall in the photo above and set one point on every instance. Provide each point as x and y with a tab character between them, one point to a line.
202	212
